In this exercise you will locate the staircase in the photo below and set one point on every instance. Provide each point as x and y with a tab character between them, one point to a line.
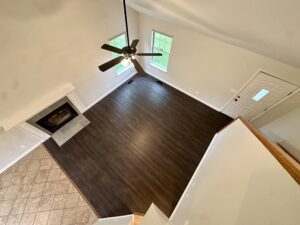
243	179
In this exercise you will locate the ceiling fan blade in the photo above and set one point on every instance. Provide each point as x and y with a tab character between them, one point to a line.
139	69
112	49
111	63
149	54
134	43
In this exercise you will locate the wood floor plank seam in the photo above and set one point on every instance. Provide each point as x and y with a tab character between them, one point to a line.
144	143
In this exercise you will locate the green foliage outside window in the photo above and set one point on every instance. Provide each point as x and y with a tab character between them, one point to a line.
119	42
161	44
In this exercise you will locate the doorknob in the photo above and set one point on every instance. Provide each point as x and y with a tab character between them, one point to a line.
237	98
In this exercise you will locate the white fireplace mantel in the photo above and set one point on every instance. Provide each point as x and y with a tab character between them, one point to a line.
40	104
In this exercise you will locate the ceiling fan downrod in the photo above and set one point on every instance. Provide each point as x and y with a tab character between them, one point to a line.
126	23
126	53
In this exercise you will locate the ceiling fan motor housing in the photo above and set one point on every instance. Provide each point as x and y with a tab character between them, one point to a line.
129	51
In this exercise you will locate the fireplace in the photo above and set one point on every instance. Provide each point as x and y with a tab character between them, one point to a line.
59	121
55	117
58	118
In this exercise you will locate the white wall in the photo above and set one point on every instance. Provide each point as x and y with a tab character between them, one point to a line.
285	130
154	216
283	108
206	67
45	44
273	32
239	182
282	124
14	144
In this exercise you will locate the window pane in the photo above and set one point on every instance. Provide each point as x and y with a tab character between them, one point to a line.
260	95
156	43
119	42
169	40
168	48
157	35
161	44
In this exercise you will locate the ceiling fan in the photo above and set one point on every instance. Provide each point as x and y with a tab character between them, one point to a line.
127	53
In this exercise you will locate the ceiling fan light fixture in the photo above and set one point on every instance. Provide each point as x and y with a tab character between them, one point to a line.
125	62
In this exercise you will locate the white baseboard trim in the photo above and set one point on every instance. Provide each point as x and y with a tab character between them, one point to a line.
21	156
42	140
108	92
185	92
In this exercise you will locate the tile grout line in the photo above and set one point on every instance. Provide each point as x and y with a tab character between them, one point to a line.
71	181
70	192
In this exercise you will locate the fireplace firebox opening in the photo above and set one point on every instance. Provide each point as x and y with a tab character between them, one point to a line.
58	118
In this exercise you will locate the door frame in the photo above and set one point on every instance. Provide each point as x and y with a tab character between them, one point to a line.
249	81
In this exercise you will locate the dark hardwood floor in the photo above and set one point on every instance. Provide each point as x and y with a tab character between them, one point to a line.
144	142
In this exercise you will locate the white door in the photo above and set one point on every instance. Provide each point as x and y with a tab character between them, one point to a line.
258	96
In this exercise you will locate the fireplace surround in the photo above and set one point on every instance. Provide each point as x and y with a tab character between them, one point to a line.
61	121
55	116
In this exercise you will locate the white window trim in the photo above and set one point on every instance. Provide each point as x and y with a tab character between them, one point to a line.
152	47
158	67
123	70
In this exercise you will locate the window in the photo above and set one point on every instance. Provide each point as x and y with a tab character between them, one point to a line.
119	42
260	95
161	43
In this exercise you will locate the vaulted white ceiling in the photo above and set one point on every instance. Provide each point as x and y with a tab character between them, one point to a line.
268	27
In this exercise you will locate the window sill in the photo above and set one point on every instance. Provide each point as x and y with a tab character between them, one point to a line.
123	70
158	67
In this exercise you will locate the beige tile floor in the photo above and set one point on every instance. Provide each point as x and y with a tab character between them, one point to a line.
35	191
